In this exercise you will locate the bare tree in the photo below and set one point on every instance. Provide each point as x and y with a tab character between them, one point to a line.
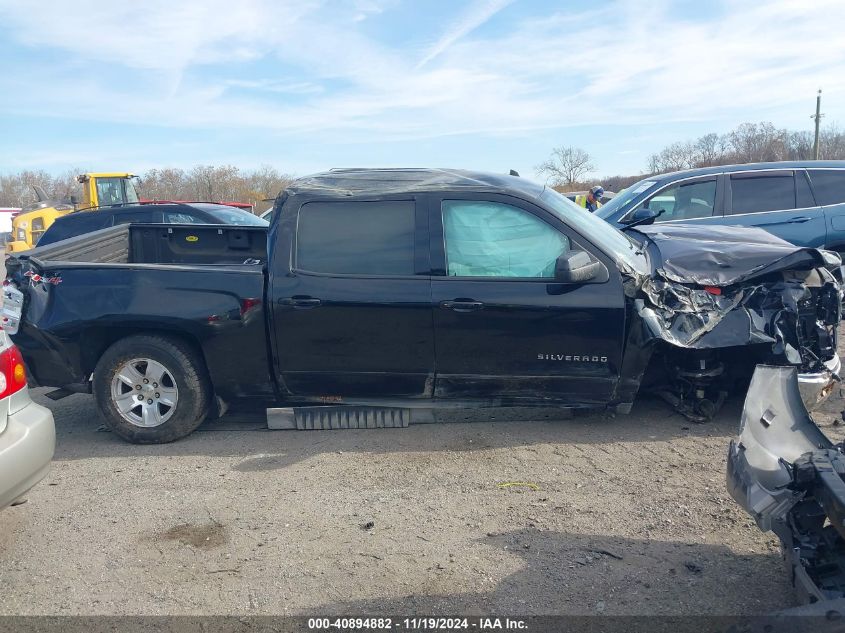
800	145
674	157
164	184
747	143
566	166
16	190
832	143
202	182
710	150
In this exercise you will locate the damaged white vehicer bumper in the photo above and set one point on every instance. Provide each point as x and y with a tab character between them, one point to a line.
790	478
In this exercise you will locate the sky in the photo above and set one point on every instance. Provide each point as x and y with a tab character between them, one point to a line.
307	85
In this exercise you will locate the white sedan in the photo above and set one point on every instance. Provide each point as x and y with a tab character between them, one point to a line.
27	433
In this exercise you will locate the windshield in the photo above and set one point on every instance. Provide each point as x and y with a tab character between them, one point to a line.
624	197
605	236
233	215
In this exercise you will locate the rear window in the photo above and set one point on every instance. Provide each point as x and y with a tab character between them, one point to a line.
142	217
233	215
73	226
829	185
359	238
173	217
757	194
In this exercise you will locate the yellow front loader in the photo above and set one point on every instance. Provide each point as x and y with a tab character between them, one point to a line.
98	190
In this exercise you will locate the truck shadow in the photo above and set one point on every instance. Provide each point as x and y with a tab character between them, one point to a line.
81	433
566	573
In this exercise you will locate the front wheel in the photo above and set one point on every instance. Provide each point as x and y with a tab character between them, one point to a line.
152	389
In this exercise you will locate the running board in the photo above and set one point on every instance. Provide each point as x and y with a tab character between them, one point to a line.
346	417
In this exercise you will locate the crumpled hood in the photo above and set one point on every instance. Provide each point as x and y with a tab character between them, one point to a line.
723	255
708	289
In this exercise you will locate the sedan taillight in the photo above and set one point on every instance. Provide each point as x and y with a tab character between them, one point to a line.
12	372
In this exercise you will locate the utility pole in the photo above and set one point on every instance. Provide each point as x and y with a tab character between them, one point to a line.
818	116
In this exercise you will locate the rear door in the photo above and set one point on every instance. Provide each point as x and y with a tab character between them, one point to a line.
779	201
352	305
504	327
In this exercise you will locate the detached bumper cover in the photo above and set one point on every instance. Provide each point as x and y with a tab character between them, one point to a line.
789	477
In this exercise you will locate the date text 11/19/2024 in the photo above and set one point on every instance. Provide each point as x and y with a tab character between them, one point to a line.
417	624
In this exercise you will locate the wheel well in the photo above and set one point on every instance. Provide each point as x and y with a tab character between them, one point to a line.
93	343
739	360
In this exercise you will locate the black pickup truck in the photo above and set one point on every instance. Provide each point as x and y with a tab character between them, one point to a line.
377	296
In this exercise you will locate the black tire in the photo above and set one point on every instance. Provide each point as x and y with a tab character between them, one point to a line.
189	374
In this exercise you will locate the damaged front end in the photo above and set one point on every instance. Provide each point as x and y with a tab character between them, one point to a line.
717	303
789	477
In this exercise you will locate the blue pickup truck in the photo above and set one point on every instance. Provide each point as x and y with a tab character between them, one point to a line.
802	202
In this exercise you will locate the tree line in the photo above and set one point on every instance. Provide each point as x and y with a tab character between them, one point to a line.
568	167
202	182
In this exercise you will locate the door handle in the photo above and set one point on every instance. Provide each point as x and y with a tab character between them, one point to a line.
300	302
798	219
462	305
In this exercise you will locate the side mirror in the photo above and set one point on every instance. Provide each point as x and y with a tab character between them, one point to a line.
74	199
643	215
575	267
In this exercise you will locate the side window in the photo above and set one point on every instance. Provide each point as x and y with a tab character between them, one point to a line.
759	193
684	201
171	217
829	185
37	229
129	218
490	239
356	238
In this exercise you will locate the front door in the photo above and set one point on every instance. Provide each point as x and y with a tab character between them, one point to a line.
352	305
505	329
691	201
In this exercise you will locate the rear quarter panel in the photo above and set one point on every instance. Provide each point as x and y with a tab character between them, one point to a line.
66	327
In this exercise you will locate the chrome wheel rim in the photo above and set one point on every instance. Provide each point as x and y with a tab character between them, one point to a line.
144	392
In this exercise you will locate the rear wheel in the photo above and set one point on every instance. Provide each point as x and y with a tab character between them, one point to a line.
152	389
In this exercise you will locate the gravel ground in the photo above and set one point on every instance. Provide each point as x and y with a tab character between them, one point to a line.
625	515
526	513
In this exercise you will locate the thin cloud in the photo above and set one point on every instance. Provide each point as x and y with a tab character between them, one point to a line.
479	13
316	79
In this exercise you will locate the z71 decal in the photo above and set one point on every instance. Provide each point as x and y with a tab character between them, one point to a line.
35	278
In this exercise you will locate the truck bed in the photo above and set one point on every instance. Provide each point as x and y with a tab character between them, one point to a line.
84	293
159	244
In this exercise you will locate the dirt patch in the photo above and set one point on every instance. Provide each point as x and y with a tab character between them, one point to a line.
201	536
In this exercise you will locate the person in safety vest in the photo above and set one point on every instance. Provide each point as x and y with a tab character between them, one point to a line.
590	201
